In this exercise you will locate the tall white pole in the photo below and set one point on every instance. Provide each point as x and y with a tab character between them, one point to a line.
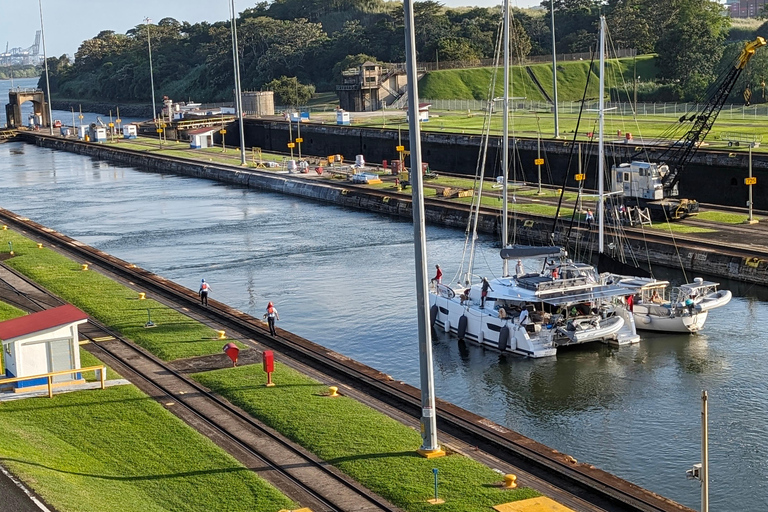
505	144
238	91
47	79
704	454
147	21
429	447
601	151
554	68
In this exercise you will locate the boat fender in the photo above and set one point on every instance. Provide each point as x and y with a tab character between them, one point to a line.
646	319
447	325
462	330
503	338
432	315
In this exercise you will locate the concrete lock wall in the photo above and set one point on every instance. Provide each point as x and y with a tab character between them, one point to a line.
530	229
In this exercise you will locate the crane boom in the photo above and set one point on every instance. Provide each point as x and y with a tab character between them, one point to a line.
682	151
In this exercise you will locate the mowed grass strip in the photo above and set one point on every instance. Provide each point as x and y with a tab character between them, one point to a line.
175	335
372	448
118	450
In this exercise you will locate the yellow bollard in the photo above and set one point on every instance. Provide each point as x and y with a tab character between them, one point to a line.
39	246
222	335
510	482
334	391
5	227
142	295
84	266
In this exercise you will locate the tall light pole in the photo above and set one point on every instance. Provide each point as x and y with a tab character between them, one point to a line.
45	59
429	447
554	68
147	21
238	91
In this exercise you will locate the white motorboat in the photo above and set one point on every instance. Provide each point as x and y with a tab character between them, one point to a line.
660	307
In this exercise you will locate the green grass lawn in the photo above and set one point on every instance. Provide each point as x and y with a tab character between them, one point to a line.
176	335
118	450
724	217
372	448
681	228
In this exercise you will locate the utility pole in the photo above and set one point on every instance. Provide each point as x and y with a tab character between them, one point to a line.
147	21
238	91
429	447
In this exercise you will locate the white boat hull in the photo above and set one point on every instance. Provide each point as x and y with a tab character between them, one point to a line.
646	320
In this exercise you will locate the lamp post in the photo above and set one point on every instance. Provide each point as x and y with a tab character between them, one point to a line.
147	21
45	59
238	91
750	182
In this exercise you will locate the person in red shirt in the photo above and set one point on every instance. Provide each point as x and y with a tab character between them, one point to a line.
438	275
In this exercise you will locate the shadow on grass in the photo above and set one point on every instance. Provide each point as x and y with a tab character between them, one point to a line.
134	478
367	456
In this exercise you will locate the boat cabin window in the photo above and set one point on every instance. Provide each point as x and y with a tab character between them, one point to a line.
626	176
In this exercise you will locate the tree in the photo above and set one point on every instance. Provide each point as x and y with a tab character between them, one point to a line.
289	92
630	25
690	45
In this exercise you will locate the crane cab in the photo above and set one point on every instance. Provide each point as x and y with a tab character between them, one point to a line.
641	180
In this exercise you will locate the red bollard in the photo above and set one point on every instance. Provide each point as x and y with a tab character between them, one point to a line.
232	351
268	359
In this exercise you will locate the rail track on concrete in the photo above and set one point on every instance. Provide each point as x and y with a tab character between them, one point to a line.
585	483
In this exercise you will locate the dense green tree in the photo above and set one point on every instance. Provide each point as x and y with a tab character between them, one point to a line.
290	92
690	44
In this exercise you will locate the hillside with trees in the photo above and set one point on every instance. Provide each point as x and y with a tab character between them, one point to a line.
298	46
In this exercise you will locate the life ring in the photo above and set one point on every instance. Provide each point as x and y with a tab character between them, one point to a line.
462	329
503	338
432	315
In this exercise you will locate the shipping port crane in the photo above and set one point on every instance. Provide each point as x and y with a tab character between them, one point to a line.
655	185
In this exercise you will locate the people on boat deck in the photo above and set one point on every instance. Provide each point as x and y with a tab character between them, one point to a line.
271	315
589	218
519	270
438	275
464	296
203	292
484	291
690	304
630	303
655	297
555	273
524	318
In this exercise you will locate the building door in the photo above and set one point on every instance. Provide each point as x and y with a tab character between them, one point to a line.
60	358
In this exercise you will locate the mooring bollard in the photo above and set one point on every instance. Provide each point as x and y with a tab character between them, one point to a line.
334	391
510	482
39	246
142	295
84	266
222	335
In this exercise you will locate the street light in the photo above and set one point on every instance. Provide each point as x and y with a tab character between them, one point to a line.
238	91
45	59
147	21
750	182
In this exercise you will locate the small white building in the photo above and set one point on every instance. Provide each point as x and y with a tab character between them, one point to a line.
201	137
342	117
130	131
42	343
423	112
97	133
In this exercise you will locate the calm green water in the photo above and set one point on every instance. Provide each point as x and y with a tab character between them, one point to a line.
344	279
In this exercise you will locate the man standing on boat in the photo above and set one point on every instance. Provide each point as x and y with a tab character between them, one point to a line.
484	290
519	270
438	275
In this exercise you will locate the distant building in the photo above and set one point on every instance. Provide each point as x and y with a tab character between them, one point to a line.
371	87
745	8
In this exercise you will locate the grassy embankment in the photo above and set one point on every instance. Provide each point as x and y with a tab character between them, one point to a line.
140	457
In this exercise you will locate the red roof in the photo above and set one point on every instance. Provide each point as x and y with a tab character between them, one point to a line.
202	131
41	321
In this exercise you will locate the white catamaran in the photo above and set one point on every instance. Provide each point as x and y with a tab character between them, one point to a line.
532	314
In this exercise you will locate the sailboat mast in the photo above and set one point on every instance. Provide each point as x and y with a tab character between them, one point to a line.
601	151
505	143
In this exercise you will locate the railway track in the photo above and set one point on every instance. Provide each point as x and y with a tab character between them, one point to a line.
300	475
587	484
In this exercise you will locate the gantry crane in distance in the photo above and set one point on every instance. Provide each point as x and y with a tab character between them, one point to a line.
655	185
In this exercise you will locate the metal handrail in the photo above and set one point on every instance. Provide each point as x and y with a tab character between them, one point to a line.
51	375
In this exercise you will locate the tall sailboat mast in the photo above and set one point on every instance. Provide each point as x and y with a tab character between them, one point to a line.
601	150
505	143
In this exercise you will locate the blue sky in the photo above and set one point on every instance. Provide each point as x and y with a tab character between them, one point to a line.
68	23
